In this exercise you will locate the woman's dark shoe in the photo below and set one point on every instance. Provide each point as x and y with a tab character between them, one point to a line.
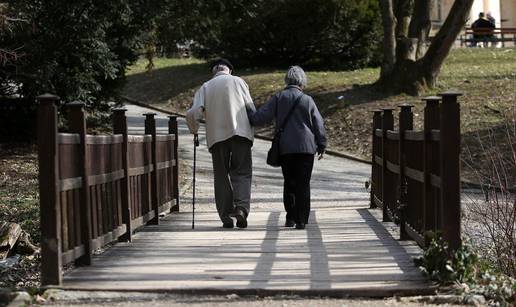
240	217
227	225
289	223
300	226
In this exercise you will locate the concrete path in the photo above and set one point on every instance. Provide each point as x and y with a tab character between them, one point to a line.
345	250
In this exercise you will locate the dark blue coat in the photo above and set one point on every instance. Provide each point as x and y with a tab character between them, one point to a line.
304	132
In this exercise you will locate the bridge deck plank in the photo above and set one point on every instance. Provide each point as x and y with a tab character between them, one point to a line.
345	249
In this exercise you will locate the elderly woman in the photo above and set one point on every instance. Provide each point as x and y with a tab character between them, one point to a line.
303	136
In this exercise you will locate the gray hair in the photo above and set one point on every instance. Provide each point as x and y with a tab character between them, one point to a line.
219	68
296	76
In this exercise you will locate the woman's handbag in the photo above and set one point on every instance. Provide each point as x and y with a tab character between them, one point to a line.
273	156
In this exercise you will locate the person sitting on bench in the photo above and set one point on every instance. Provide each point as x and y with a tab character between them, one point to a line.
482	30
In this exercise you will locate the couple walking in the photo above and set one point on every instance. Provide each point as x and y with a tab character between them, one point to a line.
226	104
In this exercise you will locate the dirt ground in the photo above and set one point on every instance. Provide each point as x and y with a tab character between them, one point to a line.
231	300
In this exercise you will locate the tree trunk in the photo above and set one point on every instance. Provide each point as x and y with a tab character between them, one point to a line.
421	25
9	234
389	39
416	63
444	39
402	12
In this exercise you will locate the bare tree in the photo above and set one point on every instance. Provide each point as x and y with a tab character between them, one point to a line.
7	23
411	62
490	218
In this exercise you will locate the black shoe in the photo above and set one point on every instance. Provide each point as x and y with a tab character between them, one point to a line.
300	226
240	217
228	225
289	223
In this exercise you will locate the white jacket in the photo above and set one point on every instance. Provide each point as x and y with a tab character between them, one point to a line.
223	101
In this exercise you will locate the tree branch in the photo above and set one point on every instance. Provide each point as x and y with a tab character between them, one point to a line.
389	39
8	56
446	36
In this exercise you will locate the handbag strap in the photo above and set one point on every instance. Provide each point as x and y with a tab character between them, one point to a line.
290	112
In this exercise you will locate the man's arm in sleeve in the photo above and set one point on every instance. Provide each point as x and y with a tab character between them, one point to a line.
246	96
195	114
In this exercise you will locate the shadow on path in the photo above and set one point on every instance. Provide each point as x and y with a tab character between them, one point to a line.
263	269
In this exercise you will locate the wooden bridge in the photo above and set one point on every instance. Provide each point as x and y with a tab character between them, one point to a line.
347	249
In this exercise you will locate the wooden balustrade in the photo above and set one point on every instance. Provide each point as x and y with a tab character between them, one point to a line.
97	189
415	176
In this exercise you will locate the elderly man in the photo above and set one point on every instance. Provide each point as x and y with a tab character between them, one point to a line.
223	100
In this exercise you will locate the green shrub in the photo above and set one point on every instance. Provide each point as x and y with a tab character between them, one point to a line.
461	266
325	33
78	50
465	268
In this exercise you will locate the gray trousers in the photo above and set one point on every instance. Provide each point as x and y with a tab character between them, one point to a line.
232	168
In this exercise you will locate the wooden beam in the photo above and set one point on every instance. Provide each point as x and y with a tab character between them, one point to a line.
50	213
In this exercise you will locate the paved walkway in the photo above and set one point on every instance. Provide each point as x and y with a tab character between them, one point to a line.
345	250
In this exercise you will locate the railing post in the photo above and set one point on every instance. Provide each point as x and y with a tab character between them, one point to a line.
172	129
450	169
150	128
120	127
77	123
406	122
50	213
431	122
387	124
377	124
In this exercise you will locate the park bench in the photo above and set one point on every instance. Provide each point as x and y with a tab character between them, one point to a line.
493	36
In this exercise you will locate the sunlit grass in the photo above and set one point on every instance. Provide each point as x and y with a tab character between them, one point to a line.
141	65
487	76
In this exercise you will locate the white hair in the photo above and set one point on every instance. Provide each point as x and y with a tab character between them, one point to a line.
296	76
219	68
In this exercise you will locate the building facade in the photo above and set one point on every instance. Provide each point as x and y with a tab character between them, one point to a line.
503	11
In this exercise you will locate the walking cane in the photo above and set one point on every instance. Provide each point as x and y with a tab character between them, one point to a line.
196	143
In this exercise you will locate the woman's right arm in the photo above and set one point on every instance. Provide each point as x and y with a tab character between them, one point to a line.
265	114
318	128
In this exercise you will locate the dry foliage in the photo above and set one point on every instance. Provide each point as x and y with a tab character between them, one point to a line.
490	216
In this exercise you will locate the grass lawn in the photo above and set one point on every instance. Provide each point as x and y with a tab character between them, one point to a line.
345	98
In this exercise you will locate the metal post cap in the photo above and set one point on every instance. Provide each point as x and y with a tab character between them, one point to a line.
75	104
47	98
451	93
405	106
388	109
431	98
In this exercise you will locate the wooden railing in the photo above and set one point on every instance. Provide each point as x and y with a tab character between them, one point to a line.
96	189
415	174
